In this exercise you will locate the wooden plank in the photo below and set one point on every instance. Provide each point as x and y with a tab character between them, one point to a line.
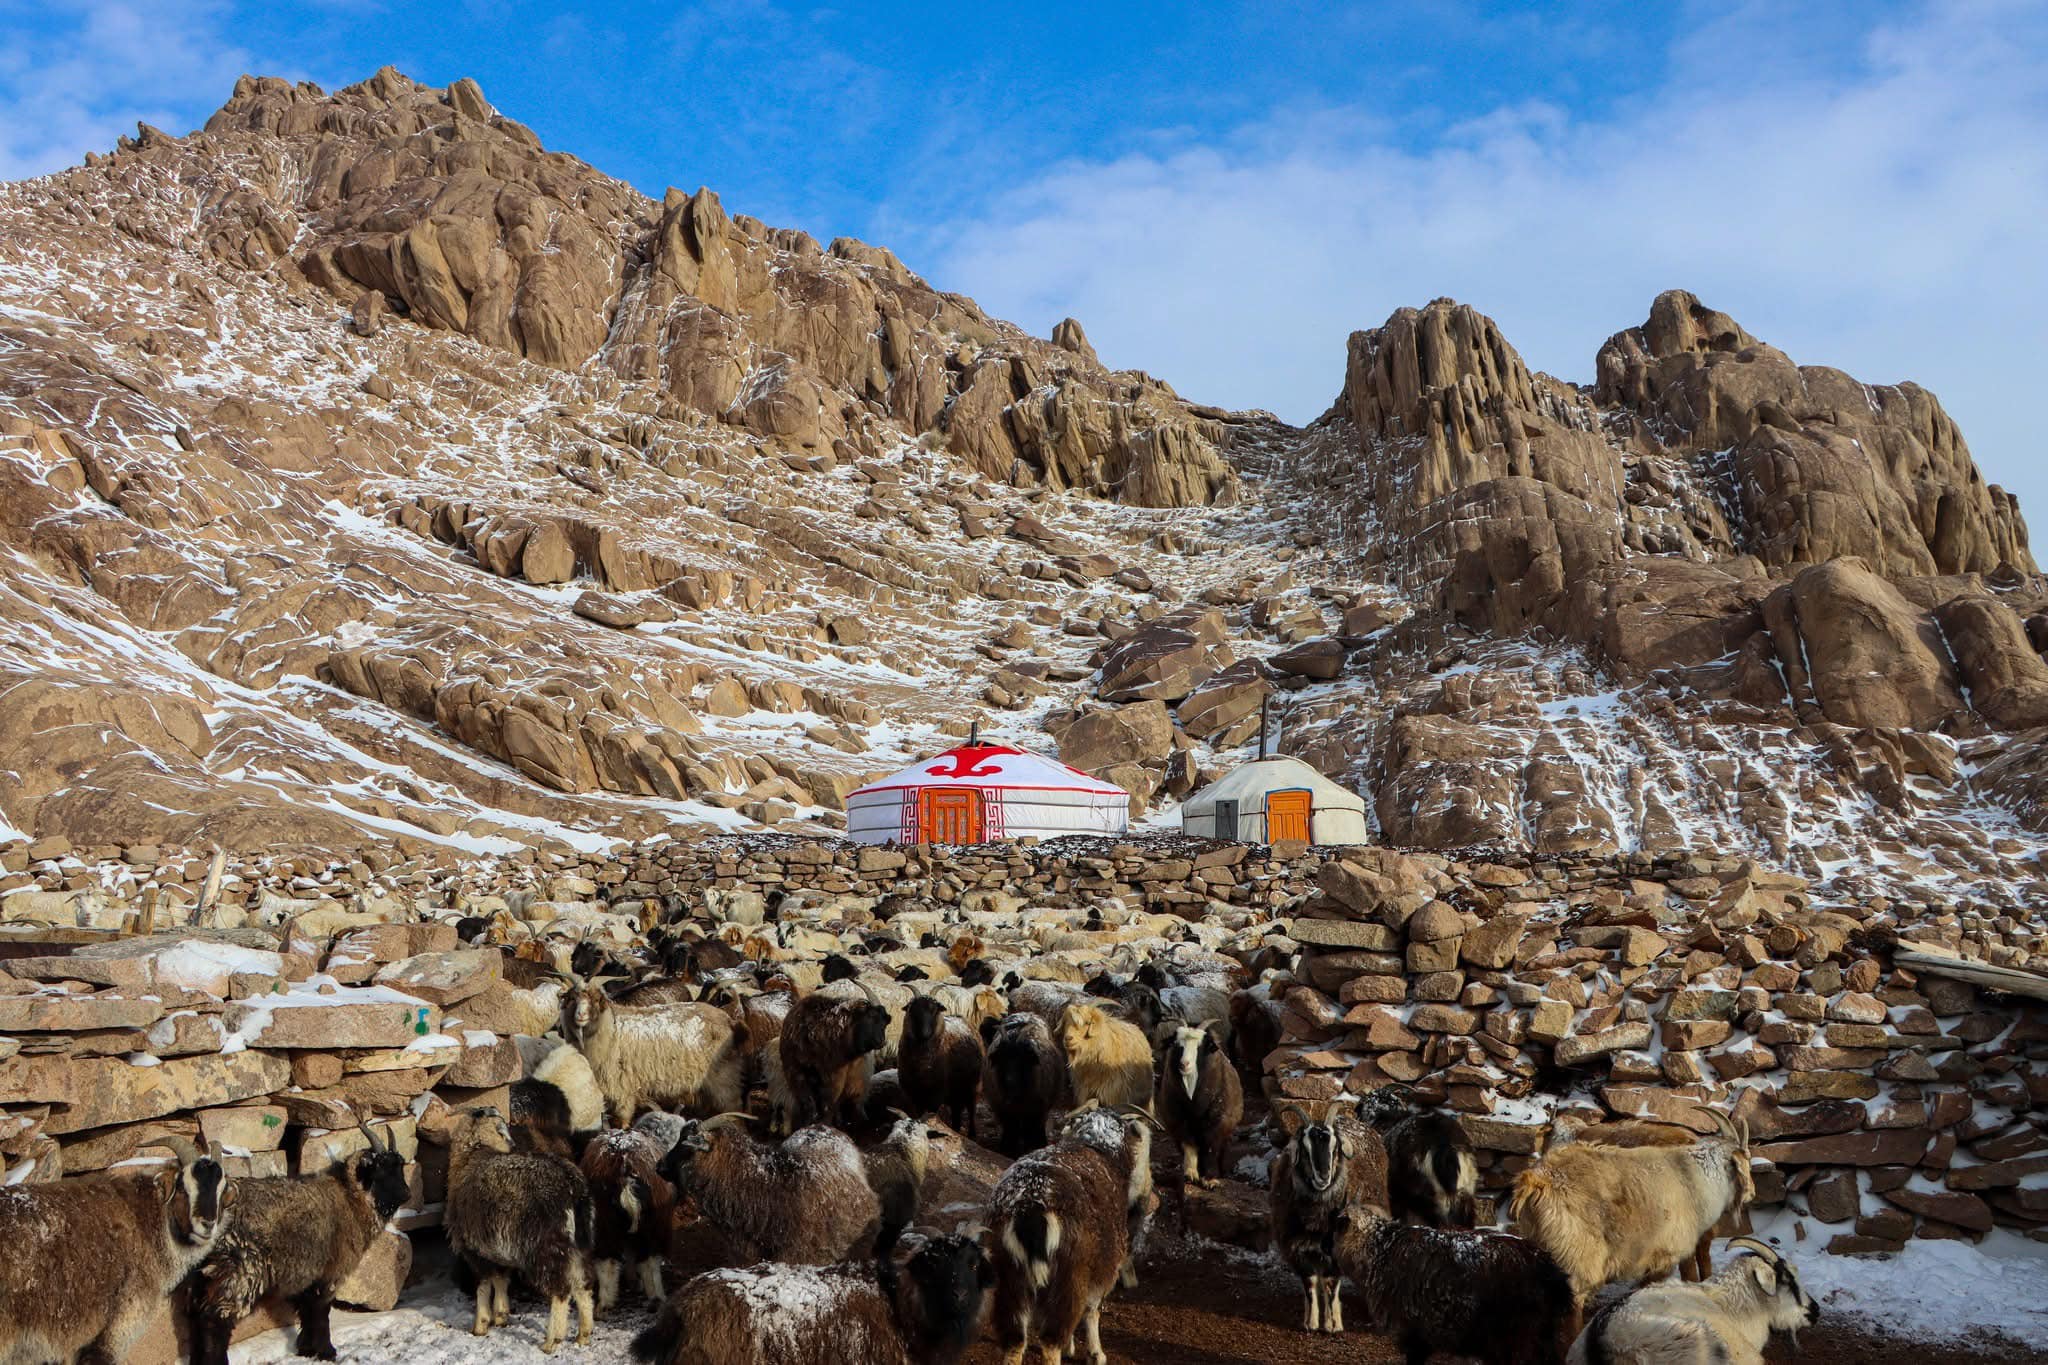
2010	980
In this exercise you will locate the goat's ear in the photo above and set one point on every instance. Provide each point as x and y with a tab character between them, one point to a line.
1766	1274
1291	1120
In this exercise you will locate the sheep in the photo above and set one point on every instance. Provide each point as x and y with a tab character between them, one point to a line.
805	1201
1200	1100
1490	1296
1025	1077
1331	1163
896	1169
825	1048
632	1204
1628	1213
1721	1321
86	1263
1108	1059
295	1239
558	1106
526	1213
658	1056
928	1313
940	1063
1060	1250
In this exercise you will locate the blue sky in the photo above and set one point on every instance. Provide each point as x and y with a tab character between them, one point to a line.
1222	192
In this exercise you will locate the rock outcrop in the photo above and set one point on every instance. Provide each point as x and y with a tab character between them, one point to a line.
374	480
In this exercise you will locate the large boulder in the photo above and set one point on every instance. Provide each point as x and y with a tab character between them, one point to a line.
2007	680
1854	646
1096	740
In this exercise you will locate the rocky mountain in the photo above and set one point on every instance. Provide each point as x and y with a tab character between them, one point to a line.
371	478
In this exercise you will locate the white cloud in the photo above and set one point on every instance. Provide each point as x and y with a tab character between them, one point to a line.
73	77
1884	215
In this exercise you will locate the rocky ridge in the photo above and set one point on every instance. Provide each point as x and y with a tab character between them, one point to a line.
375	480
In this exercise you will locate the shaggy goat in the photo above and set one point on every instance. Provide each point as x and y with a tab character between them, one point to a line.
896	1168
656	1056
1491	1296
1025	1077
632	1204
1629	1213
1432	1173
1722	1321
805	1201
826	1048
558	1106
1331	1163
85	1263
525	1213
295	1239
927	1313
1108	1059
1255	1028
1060	1246
939	1064
1200	1100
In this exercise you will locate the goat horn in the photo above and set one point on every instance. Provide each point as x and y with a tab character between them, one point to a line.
1720	1120
187	1153
1768	1252
719	1119
1138	1112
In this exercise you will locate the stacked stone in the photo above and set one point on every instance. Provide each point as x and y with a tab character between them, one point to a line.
1890	1104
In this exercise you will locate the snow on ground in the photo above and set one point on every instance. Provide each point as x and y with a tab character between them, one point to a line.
431	1327
1934	1291
1931	1291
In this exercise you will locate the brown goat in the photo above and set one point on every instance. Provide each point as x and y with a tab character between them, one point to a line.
633	1206
1066	1221
1331	1163
85	1263
939	1064
804	1201
826	1046
1200	1100
523	1213
295	1239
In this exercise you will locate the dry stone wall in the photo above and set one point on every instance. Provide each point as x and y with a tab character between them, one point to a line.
1524	994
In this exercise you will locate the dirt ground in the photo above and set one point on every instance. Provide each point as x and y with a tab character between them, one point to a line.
1209	1306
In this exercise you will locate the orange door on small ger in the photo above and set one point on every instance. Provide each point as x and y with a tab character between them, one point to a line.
1287	815
949	816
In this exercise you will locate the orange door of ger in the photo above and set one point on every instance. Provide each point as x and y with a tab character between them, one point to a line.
949	816
1287	815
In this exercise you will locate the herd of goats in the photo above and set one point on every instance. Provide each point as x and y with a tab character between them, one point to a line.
638	1127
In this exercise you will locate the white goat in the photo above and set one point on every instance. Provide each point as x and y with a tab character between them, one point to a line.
682	1057
1722	1321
